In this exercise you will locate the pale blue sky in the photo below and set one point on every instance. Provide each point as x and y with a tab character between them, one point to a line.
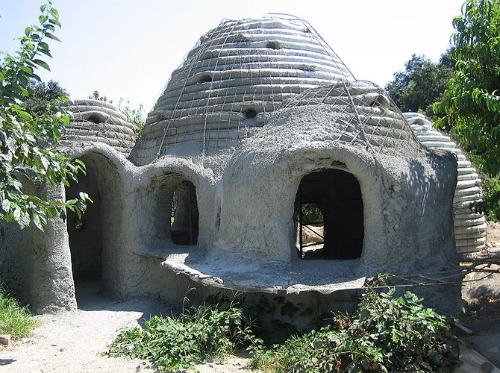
129	48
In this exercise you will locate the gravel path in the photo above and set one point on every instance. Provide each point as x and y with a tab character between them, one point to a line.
73	342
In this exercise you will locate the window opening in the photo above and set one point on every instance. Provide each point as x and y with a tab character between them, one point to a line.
250	113
273	45
205	78
184	217
329	216
96	118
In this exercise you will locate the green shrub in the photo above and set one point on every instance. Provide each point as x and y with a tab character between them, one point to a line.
491	199
14	319
199	334
385	334
311	214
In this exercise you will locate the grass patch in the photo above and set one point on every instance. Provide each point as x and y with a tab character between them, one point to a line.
14	319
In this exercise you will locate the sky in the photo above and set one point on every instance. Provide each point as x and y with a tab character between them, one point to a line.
128	48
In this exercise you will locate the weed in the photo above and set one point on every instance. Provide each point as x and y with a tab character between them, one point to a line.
385	334
198	334
14	319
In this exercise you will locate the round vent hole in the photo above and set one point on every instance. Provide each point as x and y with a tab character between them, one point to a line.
205	79
273	45
95	117
250	113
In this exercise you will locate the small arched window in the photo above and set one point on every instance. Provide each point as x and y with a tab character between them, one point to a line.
250	113
329	216
205	78
184	217
273	45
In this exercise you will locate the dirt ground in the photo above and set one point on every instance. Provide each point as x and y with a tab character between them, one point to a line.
74	342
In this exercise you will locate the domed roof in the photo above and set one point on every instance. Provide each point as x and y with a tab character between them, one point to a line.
470	227
237	73
96	121
355	113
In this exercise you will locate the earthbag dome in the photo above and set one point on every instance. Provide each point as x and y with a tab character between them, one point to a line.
470	226
236	74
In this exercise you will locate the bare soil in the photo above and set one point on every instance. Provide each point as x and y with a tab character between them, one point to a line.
74	342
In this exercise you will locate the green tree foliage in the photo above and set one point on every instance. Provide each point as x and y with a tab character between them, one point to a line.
43	95
420	84
471	102
27	137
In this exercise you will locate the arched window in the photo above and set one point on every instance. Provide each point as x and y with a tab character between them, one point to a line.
329	216
184	216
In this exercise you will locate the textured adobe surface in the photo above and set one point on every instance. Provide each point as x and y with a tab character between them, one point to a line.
256	107
470	227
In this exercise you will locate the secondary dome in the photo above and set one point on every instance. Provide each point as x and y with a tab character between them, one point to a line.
470	226
236	73
95	121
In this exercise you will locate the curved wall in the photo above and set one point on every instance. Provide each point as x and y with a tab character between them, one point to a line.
236	74
470	226
96	121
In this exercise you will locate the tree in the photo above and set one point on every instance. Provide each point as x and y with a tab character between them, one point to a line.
421	84
470	105
43	95
27	137
471	102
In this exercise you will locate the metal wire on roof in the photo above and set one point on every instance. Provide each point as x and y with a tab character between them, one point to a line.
235	75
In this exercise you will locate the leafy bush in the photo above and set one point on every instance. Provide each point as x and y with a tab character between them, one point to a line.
311	214
199	334
14	319
491	199
385	334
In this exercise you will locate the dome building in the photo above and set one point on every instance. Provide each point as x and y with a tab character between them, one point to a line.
264	167
235	75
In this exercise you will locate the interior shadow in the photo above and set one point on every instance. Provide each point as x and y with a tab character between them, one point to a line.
329	204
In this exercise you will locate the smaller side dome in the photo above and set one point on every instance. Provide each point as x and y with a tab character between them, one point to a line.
470	227
94	121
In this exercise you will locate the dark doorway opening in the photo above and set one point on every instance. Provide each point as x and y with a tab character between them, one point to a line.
329	216
184	218
85	233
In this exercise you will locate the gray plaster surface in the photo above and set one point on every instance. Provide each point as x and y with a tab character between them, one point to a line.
470	226
256	107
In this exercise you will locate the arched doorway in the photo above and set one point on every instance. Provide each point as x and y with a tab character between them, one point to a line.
85	233
184	220
95	239
329	216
